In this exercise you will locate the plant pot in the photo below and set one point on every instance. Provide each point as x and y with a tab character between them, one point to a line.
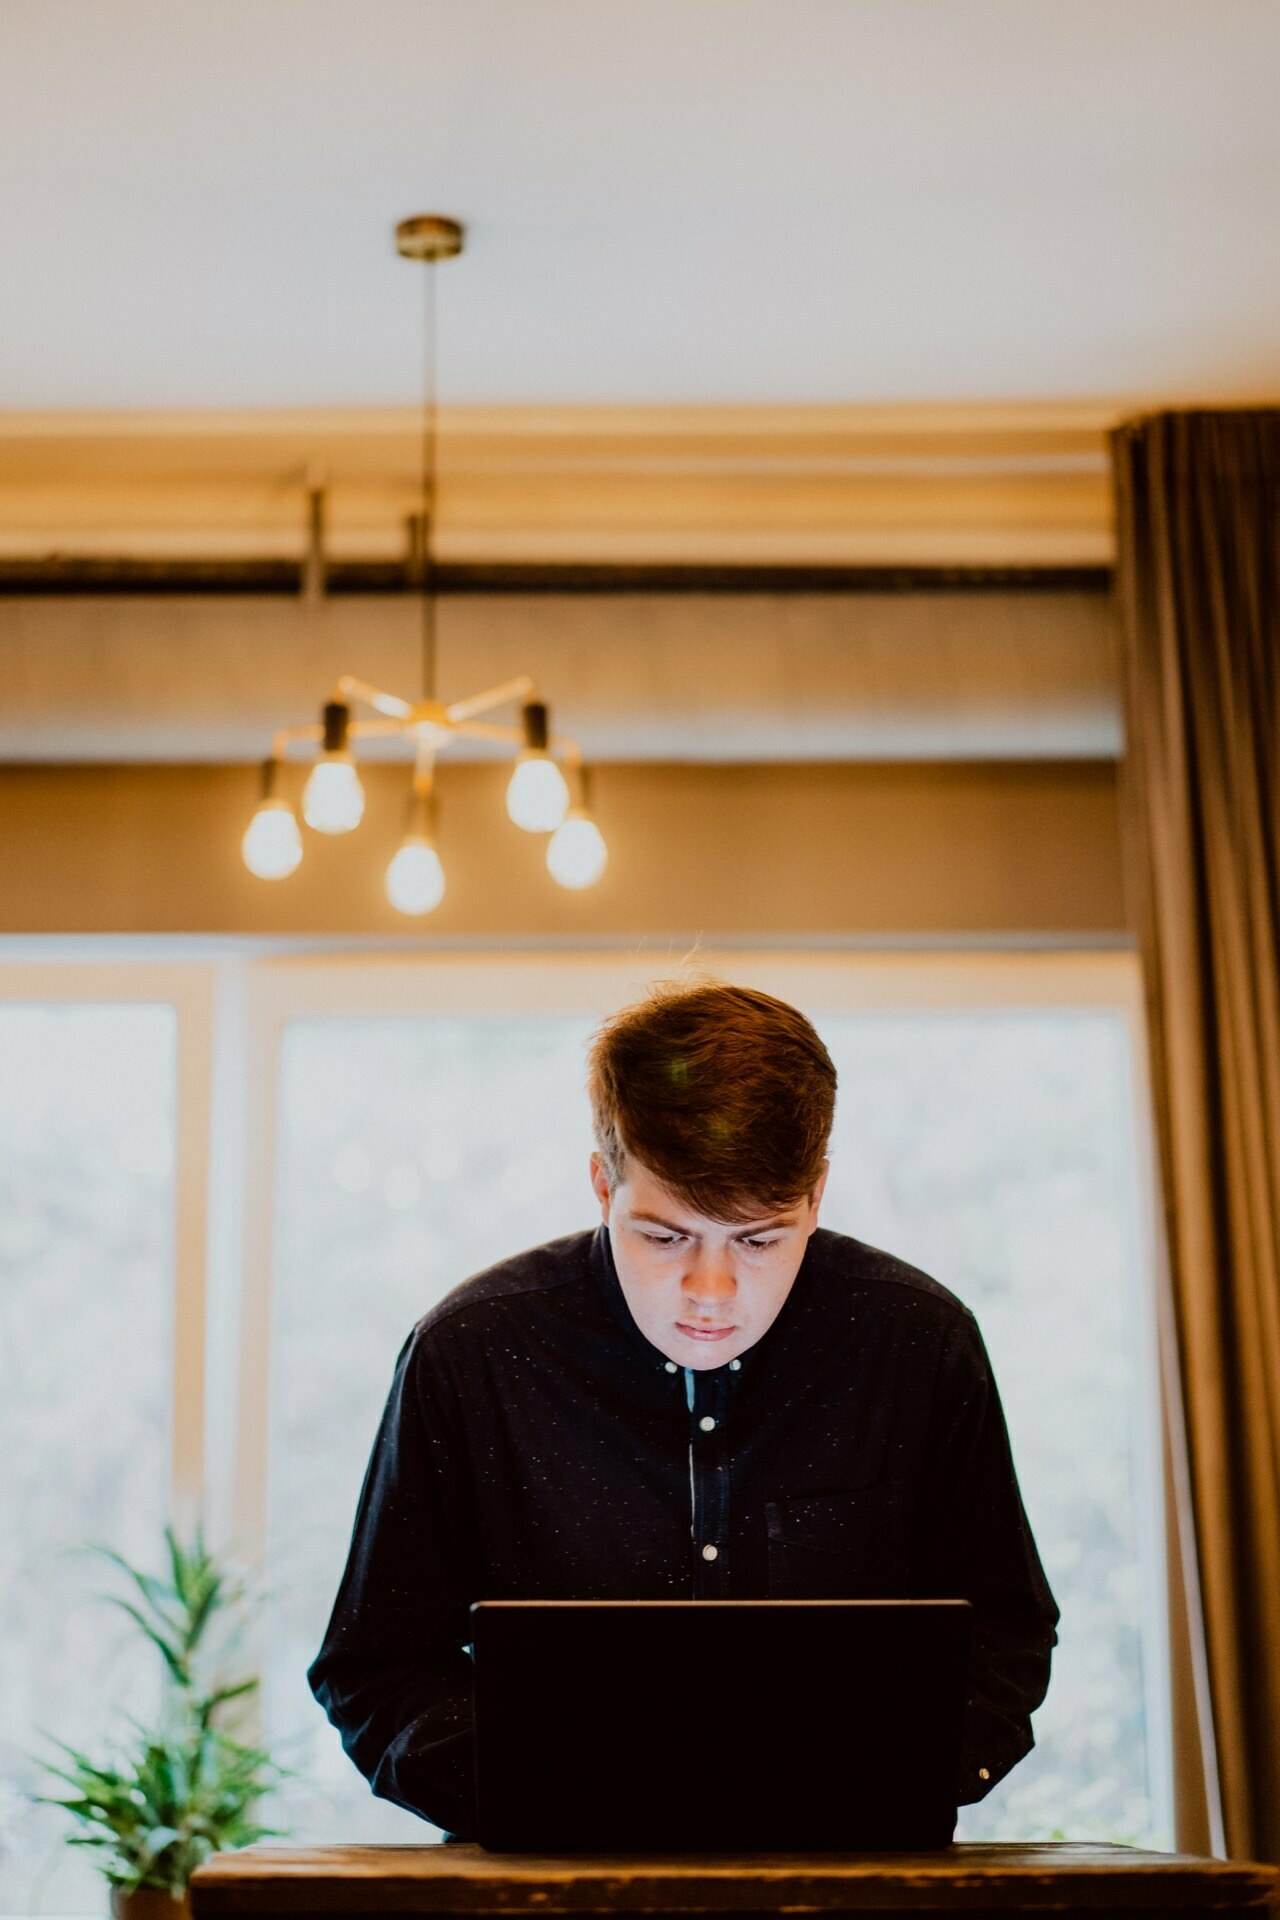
148	1903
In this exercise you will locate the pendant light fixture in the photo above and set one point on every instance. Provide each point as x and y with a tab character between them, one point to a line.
548	789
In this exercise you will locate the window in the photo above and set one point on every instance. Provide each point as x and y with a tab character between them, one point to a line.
86	1290
382	1127
413	1151
993	1147
990	1143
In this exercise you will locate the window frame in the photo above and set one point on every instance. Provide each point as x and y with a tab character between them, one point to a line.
232	1004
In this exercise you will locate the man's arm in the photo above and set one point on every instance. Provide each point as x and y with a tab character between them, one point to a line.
975	1543
391	1673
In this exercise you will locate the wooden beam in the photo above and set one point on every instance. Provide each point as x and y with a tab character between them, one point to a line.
69	574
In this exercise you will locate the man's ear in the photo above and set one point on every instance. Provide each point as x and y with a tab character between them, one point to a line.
600	1185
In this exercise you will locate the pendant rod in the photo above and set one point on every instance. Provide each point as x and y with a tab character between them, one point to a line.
428	480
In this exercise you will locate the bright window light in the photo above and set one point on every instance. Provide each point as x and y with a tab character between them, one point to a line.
991	1146
86	1282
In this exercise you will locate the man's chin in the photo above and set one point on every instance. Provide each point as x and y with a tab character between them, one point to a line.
701	1351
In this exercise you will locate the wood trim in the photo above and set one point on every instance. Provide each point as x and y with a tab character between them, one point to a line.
1000	485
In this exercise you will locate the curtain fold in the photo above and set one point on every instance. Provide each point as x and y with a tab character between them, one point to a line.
1198	575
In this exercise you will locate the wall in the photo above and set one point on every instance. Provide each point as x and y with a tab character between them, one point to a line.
974	850
1018	673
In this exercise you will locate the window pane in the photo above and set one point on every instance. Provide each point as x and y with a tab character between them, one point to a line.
413	1152
991	1148
86	1196
995	1150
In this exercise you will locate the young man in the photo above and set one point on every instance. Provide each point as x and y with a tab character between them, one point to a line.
707	1397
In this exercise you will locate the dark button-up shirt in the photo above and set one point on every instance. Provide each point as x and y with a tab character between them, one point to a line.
535	1445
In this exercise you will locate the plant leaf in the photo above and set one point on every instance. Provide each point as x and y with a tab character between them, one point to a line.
183	1788
172	1658
155	1593
184	1566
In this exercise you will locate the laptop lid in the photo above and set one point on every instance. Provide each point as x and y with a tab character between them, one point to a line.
718	1725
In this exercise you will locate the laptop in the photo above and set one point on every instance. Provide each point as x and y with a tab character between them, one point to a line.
718	1726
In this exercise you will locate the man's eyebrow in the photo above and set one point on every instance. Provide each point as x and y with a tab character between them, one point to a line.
756	1226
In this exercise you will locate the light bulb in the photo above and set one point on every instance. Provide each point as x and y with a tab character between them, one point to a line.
537	797
272	844
415	877
576	853
333	799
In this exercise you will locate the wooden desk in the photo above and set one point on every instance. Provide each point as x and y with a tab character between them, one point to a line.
1108	1883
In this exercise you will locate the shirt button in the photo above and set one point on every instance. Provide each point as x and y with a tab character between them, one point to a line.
711	1553
735	1366
983	1774
707	1423
671	1367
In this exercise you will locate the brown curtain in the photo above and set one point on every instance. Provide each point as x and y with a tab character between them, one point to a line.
1198	498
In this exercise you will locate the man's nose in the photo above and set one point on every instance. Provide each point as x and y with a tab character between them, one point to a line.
710	1280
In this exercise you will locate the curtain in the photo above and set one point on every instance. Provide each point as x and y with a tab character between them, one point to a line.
1198	504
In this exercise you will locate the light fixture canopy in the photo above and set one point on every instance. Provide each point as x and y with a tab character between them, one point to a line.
538	793
429	237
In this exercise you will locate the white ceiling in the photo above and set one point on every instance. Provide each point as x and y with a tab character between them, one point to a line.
677	201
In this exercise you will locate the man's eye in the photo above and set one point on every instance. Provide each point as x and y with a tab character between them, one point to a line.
760	1245
662	1239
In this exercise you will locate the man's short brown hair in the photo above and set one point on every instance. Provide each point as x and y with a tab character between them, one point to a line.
725	1094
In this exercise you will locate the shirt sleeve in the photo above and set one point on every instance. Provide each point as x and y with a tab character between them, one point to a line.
975	1543
392	1673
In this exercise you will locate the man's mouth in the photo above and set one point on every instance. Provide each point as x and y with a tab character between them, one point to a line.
703	1333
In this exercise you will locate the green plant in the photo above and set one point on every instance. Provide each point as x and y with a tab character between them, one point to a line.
176	1792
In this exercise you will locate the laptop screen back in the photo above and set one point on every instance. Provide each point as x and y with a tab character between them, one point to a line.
711	1726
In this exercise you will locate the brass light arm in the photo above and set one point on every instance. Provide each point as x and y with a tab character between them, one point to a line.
569	754
423	773
287	736
521	689
348	688
559	745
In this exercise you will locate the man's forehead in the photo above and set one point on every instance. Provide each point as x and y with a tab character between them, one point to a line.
649	1200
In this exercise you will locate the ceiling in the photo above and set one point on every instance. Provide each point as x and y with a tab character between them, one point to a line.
671	202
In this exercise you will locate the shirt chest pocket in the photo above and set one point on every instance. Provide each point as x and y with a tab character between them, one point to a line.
836	1546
